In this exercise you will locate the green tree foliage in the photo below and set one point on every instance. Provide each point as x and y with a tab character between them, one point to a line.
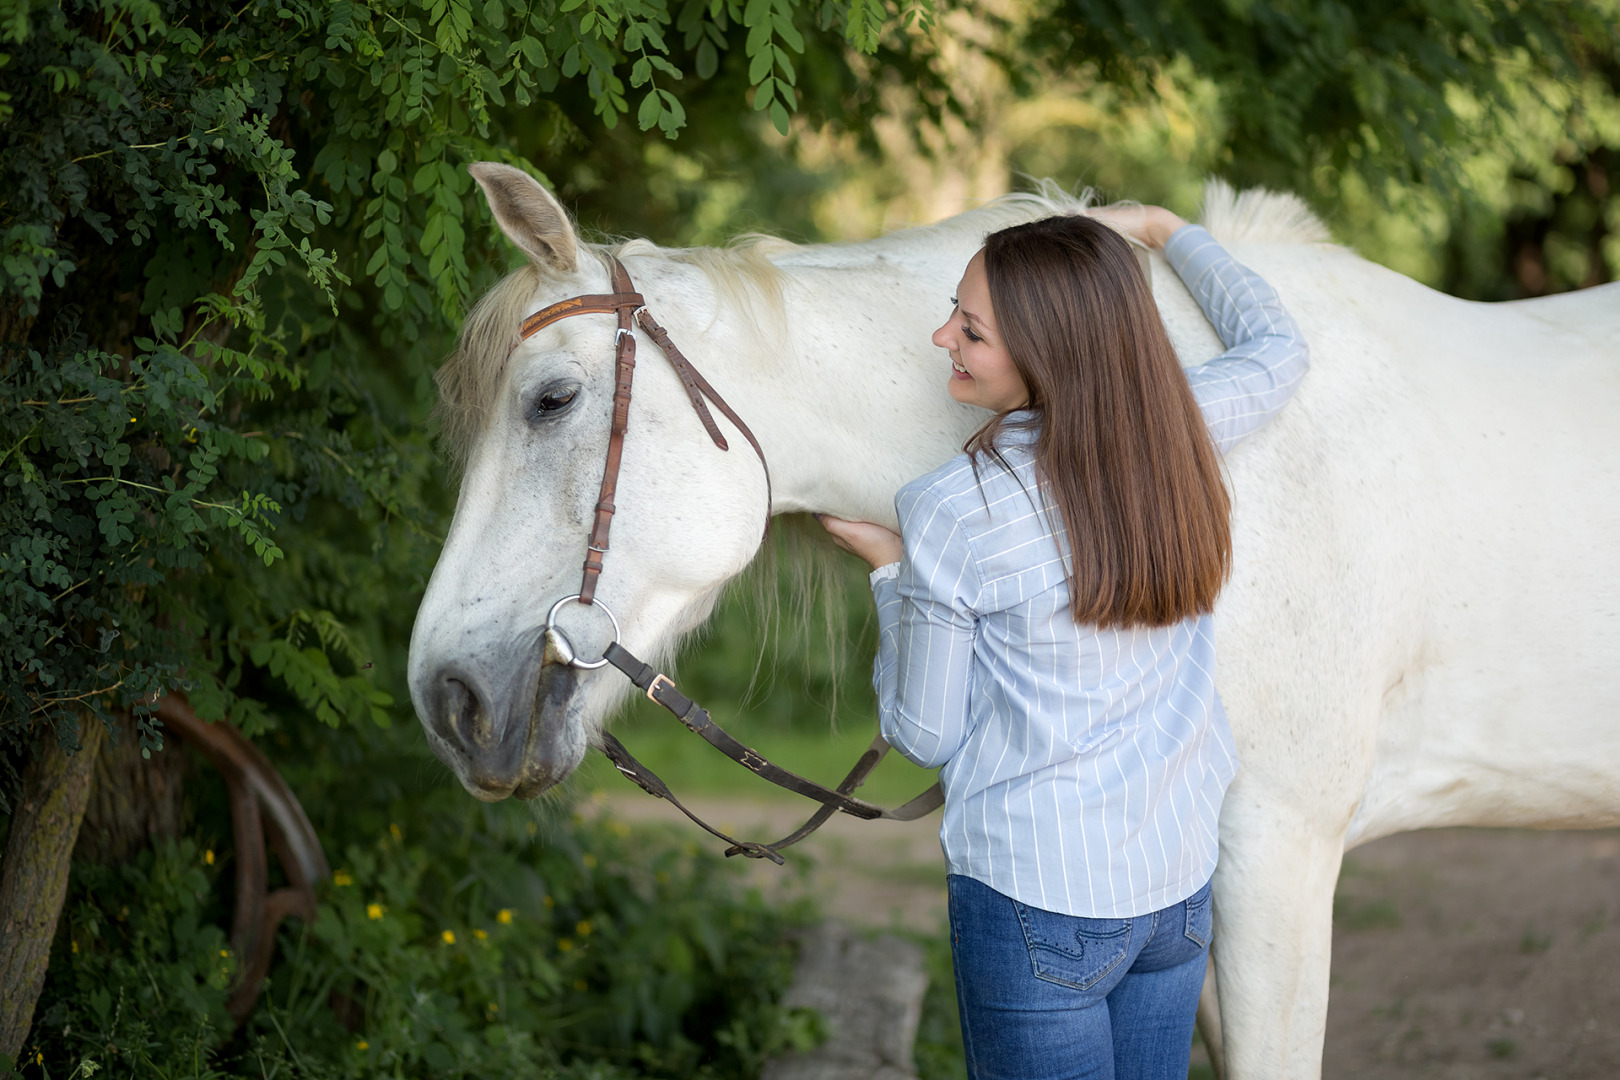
1308	82
1490	126
235	240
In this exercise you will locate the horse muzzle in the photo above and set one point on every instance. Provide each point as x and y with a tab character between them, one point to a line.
513	740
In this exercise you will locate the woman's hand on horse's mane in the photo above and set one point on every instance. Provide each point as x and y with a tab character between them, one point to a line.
1149	225
877	545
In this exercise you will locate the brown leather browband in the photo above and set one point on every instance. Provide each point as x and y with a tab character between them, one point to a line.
631	310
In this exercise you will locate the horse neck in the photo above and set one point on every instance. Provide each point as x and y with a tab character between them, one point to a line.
848	397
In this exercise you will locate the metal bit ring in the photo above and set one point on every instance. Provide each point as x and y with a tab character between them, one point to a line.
558	642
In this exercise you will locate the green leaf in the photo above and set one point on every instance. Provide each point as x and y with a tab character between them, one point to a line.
674	115
788	33
708	60
533	51
651	108
760	66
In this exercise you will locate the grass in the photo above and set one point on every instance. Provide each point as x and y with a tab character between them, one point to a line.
1355	916
691	766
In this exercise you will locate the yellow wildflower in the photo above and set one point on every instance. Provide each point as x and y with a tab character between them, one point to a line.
208	856
75	946
565	945
618	828
374	911
480	935
504	916
449	937
549	902
393	830
361	1044
341	878
583	928
223	953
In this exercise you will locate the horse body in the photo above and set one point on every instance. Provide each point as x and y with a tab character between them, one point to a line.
1420	626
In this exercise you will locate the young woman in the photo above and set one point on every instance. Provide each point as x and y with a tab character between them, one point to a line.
1045	636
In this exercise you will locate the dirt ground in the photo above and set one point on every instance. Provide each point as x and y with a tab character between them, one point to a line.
1458	954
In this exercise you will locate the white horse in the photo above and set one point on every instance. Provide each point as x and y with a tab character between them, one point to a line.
1423	622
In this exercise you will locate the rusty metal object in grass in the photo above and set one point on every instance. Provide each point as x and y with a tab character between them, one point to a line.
262	807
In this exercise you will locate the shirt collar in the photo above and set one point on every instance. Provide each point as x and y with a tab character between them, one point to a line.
1019	428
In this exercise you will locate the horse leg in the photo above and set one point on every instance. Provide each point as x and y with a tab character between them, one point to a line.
1273	938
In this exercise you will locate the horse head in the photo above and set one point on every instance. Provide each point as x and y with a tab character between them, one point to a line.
529	419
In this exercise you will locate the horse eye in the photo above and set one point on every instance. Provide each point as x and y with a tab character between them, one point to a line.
556	400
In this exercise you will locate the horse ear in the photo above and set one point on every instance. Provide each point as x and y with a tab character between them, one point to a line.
528	215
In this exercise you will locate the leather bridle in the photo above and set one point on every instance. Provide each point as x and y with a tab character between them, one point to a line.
631	309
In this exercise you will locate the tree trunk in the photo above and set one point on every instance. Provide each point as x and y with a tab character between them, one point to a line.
34	875
134	801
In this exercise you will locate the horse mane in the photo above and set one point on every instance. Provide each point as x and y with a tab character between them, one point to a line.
741	272
472	375
1259	216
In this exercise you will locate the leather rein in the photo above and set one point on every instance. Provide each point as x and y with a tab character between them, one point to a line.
631	309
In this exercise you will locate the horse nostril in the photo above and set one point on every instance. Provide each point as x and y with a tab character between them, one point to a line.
465	715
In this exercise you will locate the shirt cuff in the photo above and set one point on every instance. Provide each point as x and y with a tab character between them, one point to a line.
886	572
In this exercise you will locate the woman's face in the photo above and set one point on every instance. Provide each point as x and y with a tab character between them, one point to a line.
982	371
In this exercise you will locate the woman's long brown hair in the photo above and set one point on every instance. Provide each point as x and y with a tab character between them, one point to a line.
1122	450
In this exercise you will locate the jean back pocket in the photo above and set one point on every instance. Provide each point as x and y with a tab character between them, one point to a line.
1200	919
1070	950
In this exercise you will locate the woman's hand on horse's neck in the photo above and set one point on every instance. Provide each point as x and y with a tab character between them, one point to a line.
874	543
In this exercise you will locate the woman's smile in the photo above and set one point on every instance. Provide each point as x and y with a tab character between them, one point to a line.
982	371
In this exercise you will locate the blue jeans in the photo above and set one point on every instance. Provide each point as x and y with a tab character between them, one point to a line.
1045	996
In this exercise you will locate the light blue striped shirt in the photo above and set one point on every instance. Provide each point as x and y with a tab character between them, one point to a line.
1083	768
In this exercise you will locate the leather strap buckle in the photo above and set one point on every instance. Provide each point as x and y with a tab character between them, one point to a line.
658	680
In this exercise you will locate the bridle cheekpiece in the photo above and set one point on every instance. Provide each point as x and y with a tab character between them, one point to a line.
631	309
